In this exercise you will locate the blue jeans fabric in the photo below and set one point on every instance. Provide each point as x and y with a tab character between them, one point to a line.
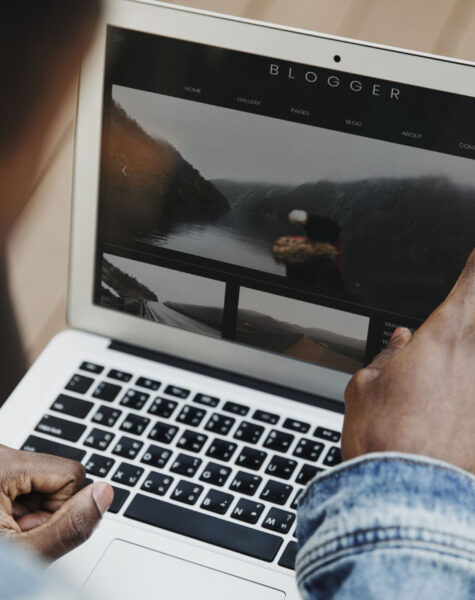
388	526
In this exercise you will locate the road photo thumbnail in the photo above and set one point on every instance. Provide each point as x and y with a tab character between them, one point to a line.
309	332
163	295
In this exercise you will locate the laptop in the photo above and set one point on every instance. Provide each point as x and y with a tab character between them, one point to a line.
255	210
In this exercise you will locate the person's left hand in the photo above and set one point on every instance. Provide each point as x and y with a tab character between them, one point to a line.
42	503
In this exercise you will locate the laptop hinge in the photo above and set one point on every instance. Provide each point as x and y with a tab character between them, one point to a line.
250	382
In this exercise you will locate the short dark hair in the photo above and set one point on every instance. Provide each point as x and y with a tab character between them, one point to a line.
34	37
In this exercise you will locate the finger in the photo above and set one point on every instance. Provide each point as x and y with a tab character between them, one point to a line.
32	520
399	339
72	524
26	472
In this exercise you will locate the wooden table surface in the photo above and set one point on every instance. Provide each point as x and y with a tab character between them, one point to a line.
39	245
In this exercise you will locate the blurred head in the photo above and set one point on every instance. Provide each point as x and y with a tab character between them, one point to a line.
41	46
298	217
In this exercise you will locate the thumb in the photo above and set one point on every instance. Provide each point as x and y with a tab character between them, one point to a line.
72	524
399	339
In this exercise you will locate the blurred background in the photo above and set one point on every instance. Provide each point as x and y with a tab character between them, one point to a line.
38	250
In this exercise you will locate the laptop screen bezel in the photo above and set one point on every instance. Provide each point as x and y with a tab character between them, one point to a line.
236	34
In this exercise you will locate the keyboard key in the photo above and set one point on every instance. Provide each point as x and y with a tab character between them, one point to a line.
79	384
61	428
74	407
36	444
289	555
87	481
120	496
91	367
295	425
266	417
99	465
308	449
327	434
191	415
204	527
295	502
178	392
217	501
149	384
215	474
245	483
333	457
306	473
250	458
249	432
247	511
161	407
107	391
279	441
220	424
157	483
163	432
237	409
156	456
106	415
127	474
221	450
119	375
278	520
187	492
127	447
135	424
281	467
276	492
98	439
192	440
186	465
135	399
206	400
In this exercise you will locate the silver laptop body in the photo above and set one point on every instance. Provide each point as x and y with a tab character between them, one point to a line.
255	210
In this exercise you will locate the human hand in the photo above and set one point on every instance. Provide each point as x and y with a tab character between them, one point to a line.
418	395
41	505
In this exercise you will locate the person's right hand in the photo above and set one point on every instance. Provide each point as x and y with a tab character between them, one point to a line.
42	504
418	395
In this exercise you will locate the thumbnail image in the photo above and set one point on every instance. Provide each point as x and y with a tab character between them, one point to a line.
324	336
163	295
340	213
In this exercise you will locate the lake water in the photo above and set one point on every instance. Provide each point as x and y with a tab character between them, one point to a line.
218	243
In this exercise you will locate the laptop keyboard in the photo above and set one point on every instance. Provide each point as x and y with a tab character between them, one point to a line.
194	464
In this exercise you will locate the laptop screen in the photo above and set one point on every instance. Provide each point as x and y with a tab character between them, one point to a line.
291	208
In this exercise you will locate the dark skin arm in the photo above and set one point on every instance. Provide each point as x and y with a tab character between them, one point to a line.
418	395
42	504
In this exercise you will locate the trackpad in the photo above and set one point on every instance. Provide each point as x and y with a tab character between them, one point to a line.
127	571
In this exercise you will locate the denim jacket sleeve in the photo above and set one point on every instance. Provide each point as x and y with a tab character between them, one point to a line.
24	577
388	526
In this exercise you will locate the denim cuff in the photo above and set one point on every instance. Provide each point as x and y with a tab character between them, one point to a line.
385	501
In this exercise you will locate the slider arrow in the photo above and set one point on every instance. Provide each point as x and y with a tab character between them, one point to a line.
124	171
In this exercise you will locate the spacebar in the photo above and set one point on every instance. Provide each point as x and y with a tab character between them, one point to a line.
205	528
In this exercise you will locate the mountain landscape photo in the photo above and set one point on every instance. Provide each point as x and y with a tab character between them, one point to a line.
148	185
403	238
